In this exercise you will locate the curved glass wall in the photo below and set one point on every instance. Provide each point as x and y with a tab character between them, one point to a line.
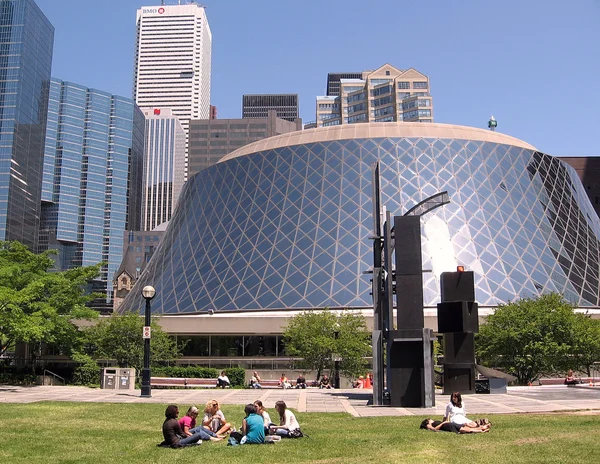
289	227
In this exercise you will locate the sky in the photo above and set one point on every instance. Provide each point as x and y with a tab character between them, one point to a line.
533	64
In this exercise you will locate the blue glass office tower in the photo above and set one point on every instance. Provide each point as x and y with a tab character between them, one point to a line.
92	177
26	41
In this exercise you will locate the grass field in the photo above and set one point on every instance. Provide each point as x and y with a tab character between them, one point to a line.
125	433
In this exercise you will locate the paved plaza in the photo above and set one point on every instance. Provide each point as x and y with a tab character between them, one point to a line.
535	399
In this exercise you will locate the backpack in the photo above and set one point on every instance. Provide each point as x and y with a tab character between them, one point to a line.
296	433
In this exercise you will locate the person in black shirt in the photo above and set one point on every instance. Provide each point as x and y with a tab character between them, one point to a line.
301	381
447	426
172	433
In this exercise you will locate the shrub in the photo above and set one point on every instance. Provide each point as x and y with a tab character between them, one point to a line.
237	375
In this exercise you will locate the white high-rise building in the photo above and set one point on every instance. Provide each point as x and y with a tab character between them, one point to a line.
173	61
164	158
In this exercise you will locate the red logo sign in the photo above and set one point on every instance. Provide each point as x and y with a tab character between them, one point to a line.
161	10
156	111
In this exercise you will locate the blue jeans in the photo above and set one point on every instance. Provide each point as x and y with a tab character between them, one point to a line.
205	434
190	440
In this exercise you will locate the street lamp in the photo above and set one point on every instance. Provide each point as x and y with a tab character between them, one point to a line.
148	293
336	357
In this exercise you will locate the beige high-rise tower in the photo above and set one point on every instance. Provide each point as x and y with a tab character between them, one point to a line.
384	95
173	61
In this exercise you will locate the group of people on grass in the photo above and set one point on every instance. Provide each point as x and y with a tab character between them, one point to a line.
456	420
256	428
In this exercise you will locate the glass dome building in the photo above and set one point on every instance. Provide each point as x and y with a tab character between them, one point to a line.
284	223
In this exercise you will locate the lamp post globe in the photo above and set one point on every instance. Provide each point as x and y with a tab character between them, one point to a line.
148	292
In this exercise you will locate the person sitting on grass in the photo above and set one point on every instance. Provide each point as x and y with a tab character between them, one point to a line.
324	383
455	413
447	426
288	425
172	433
301	381
188	426
223	381
253	430
214	419
261	411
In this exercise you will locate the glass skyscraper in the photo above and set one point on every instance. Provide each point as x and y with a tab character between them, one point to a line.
91	191
26	41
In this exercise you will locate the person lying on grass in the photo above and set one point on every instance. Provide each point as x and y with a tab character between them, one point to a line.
447	426
188	426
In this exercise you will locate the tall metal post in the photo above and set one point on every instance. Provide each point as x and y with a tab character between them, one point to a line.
148	292
378	316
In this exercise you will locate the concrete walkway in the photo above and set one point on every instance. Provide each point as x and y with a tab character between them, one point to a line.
538	399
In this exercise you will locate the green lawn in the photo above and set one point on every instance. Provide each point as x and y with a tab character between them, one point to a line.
125	433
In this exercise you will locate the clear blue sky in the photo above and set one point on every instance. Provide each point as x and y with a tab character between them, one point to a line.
533	64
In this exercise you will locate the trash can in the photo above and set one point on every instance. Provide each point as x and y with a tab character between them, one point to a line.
126	378
117	378
108	378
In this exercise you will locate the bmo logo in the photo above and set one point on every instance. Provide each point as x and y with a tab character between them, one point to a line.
153	10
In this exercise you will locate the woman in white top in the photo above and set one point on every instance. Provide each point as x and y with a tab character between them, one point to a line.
214	419
261	411
455	412
287	420
223	380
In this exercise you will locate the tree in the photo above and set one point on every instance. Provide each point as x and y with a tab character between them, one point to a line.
585	343
311	335
38	305
531	337
119	338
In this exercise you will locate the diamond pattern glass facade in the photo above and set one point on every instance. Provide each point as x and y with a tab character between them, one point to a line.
289	227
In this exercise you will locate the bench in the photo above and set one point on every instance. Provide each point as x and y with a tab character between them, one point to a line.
561	381
182	382
270	383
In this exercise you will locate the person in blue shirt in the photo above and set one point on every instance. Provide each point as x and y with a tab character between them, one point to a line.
253	427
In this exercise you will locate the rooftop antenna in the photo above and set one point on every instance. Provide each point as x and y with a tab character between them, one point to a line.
492	123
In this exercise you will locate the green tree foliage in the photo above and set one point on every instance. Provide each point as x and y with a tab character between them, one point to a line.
38	305
119	338
585	343
533	337
311	335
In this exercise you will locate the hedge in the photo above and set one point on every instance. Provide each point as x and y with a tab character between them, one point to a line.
237	375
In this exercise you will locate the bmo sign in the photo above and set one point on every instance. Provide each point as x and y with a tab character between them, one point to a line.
153	10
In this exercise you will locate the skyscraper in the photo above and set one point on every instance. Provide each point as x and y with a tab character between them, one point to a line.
212	139
164	158
333	81
92	177
173	61
26	41
384	95
258	106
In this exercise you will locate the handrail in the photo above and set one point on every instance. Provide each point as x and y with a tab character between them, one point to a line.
54	376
